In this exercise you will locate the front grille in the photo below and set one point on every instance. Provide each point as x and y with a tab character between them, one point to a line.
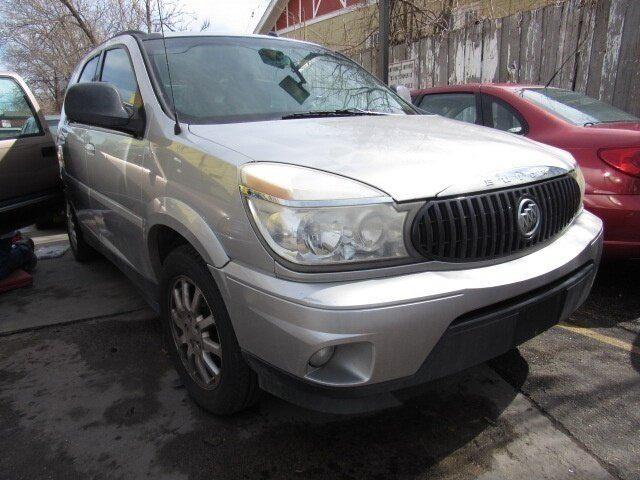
484	226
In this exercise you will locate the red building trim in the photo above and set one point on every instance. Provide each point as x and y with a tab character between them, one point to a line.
298	12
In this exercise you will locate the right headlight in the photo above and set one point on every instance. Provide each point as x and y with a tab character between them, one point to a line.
310	217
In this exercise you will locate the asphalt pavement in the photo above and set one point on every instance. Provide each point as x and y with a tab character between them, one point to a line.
87	391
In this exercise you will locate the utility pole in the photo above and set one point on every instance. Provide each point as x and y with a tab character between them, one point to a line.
383	40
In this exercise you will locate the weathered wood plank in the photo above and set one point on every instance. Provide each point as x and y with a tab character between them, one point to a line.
441	70
510	48
427	62
612	51
531	46
571	27
551	21
626	93
413	53
491	30
585	43
598	47
456	56
473	53
398	53
365	59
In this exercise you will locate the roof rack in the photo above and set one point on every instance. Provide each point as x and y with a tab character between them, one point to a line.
131	32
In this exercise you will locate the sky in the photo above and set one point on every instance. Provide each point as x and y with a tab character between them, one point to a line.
227	16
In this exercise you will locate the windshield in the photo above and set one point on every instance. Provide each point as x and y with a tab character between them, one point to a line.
574	107
231	79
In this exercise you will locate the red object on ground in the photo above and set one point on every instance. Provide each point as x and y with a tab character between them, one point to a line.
17	279
608	154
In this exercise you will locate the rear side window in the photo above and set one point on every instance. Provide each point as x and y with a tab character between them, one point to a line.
500	115
17	117
459	106
89	70
118	71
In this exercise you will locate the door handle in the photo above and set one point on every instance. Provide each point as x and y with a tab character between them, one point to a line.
90	148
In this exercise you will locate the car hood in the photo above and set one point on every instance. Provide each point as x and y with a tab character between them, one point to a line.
406	156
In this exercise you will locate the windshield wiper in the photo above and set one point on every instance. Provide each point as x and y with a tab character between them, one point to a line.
347	112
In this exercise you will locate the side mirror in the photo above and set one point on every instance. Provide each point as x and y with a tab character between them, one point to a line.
99	104
403	92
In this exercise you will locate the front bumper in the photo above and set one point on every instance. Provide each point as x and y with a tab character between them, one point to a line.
388	332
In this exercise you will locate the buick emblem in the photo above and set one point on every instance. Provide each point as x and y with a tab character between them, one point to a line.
528	217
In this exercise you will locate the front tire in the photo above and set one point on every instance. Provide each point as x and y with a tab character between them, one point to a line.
200	336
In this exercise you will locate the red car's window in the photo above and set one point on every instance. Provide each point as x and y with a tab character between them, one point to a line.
459	106
499	115
575	107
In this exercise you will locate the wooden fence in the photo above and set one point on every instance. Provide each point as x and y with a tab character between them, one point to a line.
600	39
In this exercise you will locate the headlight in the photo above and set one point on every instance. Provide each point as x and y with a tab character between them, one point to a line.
311	217
576	173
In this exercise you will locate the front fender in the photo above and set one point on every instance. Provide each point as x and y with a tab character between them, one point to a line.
179	216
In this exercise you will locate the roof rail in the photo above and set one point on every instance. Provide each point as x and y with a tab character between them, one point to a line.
135	33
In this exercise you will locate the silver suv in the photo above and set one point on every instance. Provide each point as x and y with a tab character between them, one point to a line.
302	230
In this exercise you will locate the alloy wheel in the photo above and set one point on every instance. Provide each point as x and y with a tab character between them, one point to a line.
194	332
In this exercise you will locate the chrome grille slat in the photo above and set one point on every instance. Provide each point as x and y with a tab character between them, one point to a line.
483	226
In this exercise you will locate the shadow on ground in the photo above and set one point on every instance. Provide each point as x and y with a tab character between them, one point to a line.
101	399
615	302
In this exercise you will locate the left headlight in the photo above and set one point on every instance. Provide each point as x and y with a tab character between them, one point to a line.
310	217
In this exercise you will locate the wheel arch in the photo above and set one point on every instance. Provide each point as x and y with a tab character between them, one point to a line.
171	220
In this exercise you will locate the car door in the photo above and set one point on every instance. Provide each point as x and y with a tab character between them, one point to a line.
463	106
29	170
498	114
115	162
74	138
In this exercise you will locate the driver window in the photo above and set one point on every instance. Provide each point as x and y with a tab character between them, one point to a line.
459	106
17	118
118	71
89	70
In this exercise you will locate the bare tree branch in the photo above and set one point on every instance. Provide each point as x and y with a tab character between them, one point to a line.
43	40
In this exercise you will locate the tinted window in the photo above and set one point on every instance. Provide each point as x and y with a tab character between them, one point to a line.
118	71
224	79
459	106
17	118
574	107
499	115
89	70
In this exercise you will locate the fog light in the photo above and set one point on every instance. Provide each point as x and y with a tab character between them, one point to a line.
322	356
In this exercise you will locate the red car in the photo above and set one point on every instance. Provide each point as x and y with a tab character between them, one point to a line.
603	139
